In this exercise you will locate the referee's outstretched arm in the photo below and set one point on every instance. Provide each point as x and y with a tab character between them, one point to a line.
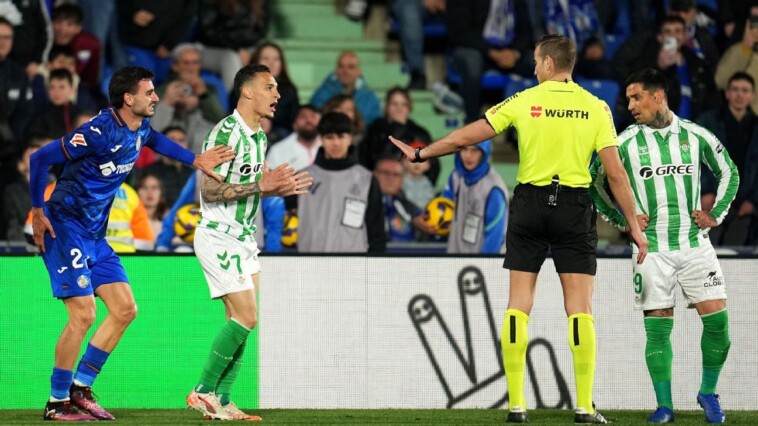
471	134
622	192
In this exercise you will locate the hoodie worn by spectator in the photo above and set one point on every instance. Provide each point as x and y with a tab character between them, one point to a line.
343	211
365	98
481	206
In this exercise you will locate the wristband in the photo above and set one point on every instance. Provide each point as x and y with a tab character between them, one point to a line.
417	156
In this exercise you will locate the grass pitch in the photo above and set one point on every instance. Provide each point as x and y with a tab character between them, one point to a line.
381	417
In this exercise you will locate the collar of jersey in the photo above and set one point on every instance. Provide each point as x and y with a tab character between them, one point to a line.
248	131
673	128
120	121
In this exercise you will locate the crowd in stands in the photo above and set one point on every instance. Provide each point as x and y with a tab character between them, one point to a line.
56	58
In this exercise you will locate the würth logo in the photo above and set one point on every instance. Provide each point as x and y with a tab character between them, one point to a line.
536	111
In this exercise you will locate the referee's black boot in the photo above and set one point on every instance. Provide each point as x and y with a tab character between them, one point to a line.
581	416
518	415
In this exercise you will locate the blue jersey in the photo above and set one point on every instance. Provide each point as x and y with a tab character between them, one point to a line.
100	155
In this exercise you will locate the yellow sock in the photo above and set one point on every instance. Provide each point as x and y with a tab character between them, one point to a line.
514	340
581	337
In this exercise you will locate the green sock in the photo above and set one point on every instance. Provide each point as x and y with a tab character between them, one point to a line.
659	357
715	347
228	340
225	383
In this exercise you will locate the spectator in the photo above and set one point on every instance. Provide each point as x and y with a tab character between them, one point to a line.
699	40
271	55
61	57
478	43
59	116
150	30
299	148
691	85
402	217
33	32
626	59
16	197
129	229
187	101
150	191
347	79
592	63
15	96
172	174
346	105
416	185
575	19
741	56
481	203
67	31
410	15
229	31
101	20
343	211
396	122
736	126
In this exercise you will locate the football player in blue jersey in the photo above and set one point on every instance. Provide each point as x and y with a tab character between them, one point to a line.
70	231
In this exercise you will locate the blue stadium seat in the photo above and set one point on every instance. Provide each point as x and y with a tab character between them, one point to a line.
214	80
516	85
607	90
492	79
612	42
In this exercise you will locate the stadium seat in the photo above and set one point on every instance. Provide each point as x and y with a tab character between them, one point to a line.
516	85
491	79
612	42
607	90
214	80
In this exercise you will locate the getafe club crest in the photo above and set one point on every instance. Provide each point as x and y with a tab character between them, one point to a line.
82	281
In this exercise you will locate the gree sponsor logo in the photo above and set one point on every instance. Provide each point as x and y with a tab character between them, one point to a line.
109	168
648	172
248	169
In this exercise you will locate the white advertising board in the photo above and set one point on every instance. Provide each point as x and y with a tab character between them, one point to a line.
358	332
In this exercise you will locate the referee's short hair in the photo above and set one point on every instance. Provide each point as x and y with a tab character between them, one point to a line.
651	80
561	49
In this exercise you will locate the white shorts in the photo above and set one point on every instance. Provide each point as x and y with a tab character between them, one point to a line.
696	270
228	264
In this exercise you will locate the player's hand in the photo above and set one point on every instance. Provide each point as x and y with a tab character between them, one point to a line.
642	221
283	181
40	225
704	219
406	149
640	240
208	160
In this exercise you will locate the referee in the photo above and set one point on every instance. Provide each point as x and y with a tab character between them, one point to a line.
559	126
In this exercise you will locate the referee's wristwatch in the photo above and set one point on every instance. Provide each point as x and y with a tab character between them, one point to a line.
417	156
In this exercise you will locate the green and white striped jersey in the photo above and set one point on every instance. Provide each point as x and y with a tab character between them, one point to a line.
664	169
235	217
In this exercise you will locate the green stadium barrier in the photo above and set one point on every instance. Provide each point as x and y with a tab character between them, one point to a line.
157	362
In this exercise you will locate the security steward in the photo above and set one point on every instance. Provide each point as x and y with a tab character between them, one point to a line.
559	125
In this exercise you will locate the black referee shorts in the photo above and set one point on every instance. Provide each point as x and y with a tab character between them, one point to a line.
567	229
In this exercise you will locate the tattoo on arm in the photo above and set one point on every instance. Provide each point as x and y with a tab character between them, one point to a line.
213	192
